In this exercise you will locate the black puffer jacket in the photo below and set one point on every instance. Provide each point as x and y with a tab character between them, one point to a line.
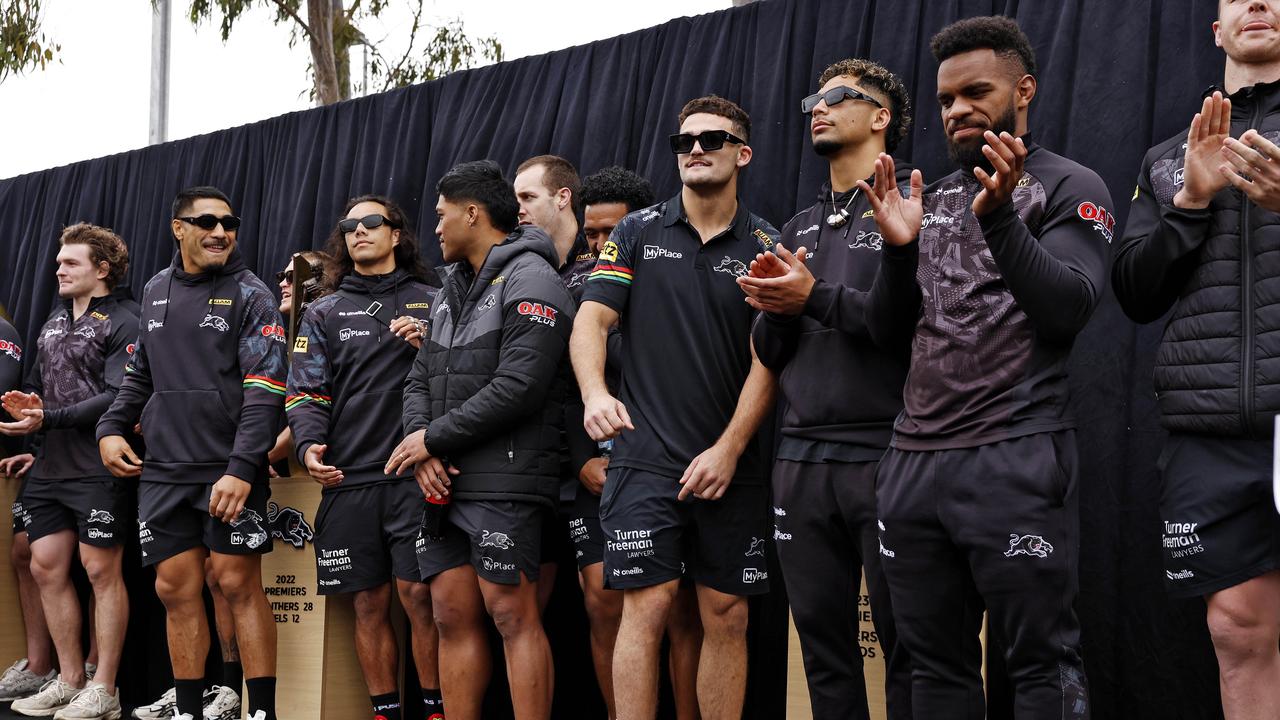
1218	367
489	383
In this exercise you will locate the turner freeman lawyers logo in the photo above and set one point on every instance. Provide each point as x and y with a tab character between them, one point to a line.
1028	545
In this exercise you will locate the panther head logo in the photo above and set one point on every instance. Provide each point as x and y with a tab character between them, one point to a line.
289	524
496	539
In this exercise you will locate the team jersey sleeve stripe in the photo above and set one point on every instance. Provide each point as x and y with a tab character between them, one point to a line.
264	383
616	273
293	401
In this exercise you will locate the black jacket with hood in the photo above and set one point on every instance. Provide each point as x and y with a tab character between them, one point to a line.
347	377
207	379
842	391
489	383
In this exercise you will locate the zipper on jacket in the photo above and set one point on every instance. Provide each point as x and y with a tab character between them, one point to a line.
511	451
1246	301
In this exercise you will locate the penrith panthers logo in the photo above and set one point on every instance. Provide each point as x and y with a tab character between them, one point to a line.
289	524
732	267
1028	545
496	539
100	516
248	529
215	322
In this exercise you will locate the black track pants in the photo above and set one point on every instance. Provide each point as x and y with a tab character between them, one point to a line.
825	532
999	522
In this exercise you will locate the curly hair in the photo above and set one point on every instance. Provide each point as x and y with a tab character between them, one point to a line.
616	184
716	105
407	253
104	247
879	79
994	32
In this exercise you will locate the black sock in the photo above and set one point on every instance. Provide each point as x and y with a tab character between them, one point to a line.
232	675
262	696
386	707
190	697
433	703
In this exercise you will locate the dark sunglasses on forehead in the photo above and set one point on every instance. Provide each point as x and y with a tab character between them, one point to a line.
709	140
348	225
209	222
835	96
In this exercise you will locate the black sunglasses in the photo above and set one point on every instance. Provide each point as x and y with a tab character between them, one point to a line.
835	96
285	276
209	222
349	225
709	140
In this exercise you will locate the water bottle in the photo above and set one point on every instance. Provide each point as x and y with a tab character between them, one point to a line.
433	512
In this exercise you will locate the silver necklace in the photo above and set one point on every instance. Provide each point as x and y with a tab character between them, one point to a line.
838	218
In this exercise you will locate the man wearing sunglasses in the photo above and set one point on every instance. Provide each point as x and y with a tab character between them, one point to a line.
209	366
812	294
344	405
991	272
685	482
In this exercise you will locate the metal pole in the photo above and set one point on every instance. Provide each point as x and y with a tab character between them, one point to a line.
161	12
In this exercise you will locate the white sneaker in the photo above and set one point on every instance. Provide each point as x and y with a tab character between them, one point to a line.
53	696
221	703
184	716
92	703
260	715
162	709
19	682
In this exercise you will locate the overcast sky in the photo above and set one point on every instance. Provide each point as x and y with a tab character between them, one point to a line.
95	102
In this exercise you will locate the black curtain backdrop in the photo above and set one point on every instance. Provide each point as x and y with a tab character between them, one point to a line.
1115	78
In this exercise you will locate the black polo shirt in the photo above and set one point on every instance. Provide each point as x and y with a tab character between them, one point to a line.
686	332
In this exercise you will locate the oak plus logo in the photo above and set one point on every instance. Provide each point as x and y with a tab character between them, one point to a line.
11	349
275	332
537	312
1103	221
1032	545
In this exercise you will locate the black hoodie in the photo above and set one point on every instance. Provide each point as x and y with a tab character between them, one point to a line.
347	377
825	356
79	366
489	383
210	369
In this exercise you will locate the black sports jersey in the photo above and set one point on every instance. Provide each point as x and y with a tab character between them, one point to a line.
686	332
207	377
79	367
1003	298
347	379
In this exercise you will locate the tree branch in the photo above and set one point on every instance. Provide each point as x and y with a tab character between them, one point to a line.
413	37
283	8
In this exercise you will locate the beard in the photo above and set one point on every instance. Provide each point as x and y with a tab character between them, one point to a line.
968	155
827	147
